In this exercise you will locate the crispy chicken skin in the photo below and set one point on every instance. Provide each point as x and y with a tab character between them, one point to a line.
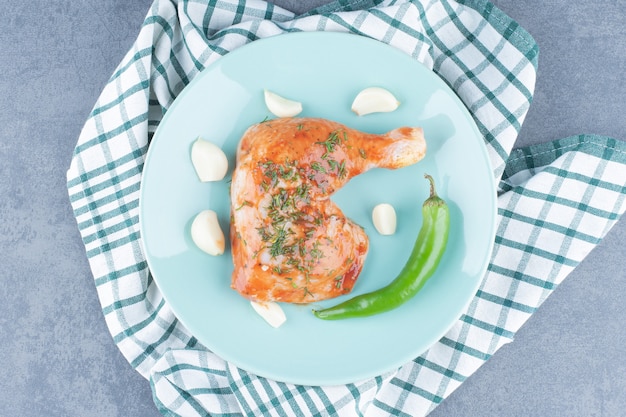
290	242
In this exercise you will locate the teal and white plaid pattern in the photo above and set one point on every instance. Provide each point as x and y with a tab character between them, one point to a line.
556	201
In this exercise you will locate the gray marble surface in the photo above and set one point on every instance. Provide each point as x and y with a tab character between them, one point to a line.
56	354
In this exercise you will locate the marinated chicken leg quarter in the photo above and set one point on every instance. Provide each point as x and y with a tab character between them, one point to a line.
290	242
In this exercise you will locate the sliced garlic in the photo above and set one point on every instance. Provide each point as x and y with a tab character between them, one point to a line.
271	312
384	219
280	106
208	160
374	100
207	234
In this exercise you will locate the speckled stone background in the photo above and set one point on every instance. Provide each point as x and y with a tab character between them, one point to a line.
56	355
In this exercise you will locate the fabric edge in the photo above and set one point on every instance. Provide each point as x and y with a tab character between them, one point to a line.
342	6
545	153
509	27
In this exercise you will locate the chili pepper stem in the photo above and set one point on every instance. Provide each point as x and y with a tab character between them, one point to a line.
433	192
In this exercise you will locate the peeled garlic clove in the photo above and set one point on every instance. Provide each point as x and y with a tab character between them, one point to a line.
271	312
384	219
280	106
207	234
374	100
208	160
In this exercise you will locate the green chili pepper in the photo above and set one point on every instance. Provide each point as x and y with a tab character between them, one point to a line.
427	252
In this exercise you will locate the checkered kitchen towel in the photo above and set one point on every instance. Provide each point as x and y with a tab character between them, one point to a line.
556	201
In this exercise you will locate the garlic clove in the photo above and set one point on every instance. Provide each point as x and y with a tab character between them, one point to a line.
271	312
207	234
384	219
208	160
374	100
280	106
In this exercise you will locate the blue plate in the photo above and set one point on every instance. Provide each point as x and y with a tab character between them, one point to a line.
324	71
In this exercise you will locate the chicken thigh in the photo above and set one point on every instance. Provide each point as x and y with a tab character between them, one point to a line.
289	241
